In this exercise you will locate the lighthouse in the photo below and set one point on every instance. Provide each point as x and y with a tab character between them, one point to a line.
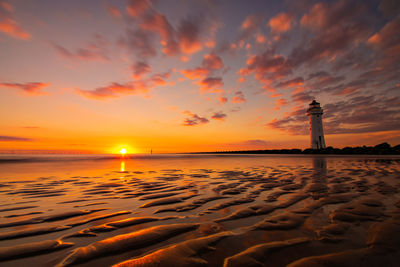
314	112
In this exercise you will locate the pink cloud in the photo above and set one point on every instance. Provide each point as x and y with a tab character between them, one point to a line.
281	23
9	25
238	98
32	88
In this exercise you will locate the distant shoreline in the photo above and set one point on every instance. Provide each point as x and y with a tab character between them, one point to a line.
381	149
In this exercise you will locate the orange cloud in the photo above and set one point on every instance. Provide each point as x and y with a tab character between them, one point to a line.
114	90
387	38
211	83
315	18
281	23
188	35
32	88
220	116
222	100
238	98
140	68
280	102
95	50
291	83
260	38
136	87
8	25
212	62
196	73
6	138
136	7
112	10
250	22
194	119
157	22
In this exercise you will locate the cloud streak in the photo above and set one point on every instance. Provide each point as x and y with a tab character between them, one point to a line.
31	88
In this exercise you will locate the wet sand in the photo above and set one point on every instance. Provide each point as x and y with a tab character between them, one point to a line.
202	211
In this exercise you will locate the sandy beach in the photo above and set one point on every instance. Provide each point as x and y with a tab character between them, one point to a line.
202	210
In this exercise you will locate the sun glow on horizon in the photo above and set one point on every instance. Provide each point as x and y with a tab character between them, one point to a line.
122	151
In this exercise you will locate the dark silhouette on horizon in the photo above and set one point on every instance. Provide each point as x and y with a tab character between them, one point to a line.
381	149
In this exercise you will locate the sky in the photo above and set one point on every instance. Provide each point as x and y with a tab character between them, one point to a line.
196	75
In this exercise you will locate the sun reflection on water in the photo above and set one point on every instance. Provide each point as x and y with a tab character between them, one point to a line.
122	169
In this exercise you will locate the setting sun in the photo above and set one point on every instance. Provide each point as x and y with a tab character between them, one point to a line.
123	151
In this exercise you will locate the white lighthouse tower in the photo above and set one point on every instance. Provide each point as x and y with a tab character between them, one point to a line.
316	131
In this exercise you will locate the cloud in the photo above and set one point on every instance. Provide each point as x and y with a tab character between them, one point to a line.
219	116
196	73
336	26
322	79
194	119
298	81
189	35
248	26
115	90
238	98
158	79
281	23
137	7
139	69
222	100
359	114
280	102
32	88
140	42
267	66
211	84
212	62
5	138
157	22
95	50
112	10
387	41
9	25
139	86
347	88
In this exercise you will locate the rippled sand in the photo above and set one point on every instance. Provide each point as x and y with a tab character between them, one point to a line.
202	211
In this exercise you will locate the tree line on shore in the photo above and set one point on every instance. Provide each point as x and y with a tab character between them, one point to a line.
381	149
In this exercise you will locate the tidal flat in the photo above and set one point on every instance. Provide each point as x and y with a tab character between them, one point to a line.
200	210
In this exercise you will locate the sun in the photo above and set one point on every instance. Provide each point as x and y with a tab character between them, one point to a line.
122	151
